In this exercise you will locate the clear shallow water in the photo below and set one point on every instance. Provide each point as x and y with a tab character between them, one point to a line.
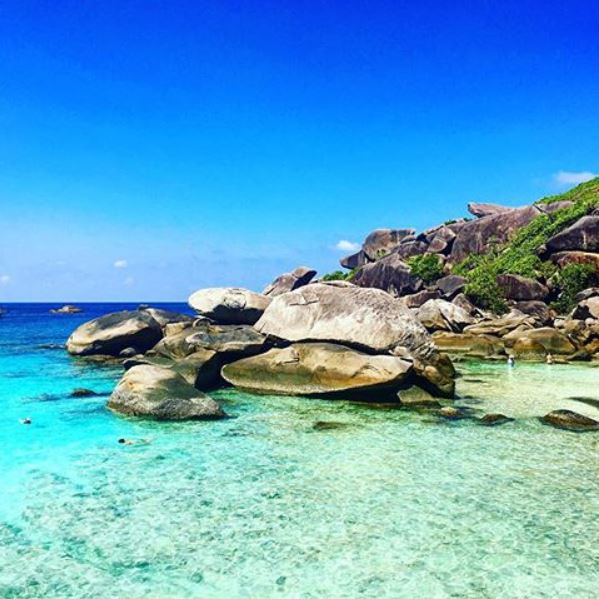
395	504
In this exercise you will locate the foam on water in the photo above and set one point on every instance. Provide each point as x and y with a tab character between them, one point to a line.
395	504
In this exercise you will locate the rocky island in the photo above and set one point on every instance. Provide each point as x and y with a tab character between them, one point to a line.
520	282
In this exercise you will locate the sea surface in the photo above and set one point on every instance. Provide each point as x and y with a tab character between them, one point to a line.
392	504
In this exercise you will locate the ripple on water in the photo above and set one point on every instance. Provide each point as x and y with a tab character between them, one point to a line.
388	503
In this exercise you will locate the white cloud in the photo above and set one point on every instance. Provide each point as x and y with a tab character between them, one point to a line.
120	264
573	178
4	279
129	281
347	246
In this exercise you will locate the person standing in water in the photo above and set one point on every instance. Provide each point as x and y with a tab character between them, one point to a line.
511	361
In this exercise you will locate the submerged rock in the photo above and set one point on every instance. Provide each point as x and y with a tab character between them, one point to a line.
416	397
569	420
229	305
318	369
161	393
82	392
110	334
494	419
329	425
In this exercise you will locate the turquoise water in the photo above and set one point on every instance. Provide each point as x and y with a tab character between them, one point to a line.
394	504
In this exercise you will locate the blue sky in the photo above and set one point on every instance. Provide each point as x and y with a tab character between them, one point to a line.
151	148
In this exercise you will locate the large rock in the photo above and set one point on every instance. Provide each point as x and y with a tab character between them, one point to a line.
200	369
583	235
451	285
112	333
571	421
441	315
364	318
501	326
540	311
382	241
482	346
391	274
515	287
482	210
289	281
442	242
588	308
229	305
477	236
418	299
162	394
167	317
564	258
354	260
552	340
231	341
318	369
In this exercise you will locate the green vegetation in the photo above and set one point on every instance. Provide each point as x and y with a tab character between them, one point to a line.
519	255
427	266
572	279
339	275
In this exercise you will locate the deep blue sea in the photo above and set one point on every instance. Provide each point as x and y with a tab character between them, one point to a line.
394	504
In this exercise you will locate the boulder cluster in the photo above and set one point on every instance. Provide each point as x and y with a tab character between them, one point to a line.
298	338
531	327
384	331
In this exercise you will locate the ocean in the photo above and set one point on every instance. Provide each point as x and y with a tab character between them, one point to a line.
391	503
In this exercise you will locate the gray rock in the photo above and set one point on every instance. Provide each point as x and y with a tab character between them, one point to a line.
588	308
515	287
571	421
167	317
540	311
476	237
416	397
355	260
482	210
418	299
495	419
289	281
364	318
441	315
583	235
161	393
229	305
112	333
391	274
451	285
318	369
442	241
382	241
230	341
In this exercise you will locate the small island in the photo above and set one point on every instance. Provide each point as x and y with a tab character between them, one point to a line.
512	284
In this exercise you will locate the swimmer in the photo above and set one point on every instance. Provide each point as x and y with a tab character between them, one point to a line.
124	441
25	421
511	361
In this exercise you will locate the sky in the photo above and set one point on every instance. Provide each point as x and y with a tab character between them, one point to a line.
148	149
